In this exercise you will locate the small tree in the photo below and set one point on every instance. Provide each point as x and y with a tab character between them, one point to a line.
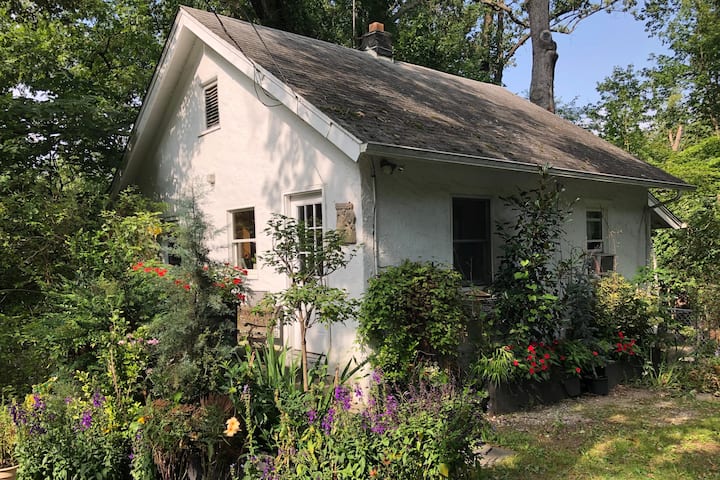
308	260
526	282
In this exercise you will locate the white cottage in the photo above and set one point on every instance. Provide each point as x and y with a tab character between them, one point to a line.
411	160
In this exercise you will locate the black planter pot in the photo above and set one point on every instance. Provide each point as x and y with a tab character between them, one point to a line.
623	372
522	394
598	385
572	386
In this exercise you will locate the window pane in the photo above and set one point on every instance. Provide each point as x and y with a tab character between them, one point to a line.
472	260
245	254
471	219
594	226
244	224
471	240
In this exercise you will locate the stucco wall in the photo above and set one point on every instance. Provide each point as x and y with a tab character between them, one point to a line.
259	157
414	213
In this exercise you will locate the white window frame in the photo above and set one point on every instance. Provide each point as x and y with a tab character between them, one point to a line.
598	244
236	243
311	199
603	262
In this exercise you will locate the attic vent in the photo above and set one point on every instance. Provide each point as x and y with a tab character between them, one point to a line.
212	111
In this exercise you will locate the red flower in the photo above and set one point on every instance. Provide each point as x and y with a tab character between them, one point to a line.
621	335
533	364
547	356
241	297
544	367
161	272
237	281
595	353
186	286
542	360
532	371
148	269
531	348
516	363
562	358
178	282
577	370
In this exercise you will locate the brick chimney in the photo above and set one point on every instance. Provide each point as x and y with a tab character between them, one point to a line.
377	40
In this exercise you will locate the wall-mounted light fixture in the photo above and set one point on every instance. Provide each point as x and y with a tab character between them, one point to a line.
389	167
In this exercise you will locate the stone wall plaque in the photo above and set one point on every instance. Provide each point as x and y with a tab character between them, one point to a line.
346	222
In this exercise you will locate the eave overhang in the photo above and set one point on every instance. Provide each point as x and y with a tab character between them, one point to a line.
411	153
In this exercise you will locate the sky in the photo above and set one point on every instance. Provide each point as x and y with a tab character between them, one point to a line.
587	56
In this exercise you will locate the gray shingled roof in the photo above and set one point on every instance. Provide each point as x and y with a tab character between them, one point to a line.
405	105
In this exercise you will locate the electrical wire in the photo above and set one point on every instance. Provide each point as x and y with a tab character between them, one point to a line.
256	68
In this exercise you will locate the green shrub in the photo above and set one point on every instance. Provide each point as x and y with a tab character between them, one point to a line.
411	313
624	307
701	375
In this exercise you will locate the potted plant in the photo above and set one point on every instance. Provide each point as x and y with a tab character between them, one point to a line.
598	383
8	439
576	357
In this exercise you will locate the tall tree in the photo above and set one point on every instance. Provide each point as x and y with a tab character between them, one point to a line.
691	29
544	50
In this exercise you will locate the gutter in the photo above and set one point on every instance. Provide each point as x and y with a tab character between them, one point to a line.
412	153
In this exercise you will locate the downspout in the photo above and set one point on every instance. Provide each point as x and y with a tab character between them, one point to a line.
376	254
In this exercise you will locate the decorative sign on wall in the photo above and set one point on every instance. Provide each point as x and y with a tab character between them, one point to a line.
346	222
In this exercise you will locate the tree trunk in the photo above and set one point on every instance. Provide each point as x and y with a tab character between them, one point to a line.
675	138
499	61
486	65
303	352
544	54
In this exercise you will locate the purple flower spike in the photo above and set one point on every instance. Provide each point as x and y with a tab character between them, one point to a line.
38	404
85	421
342	396
328	420
98	400
312	416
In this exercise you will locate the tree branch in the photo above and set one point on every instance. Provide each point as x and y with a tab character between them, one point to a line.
497	5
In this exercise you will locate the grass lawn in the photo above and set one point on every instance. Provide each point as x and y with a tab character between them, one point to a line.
631	434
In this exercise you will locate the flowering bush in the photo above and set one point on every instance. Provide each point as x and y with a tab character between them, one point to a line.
70	437
624	347
229	282
537	359
424	432
174	439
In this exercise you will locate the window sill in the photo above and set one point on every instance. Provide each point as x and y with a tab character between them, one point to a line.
209	130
